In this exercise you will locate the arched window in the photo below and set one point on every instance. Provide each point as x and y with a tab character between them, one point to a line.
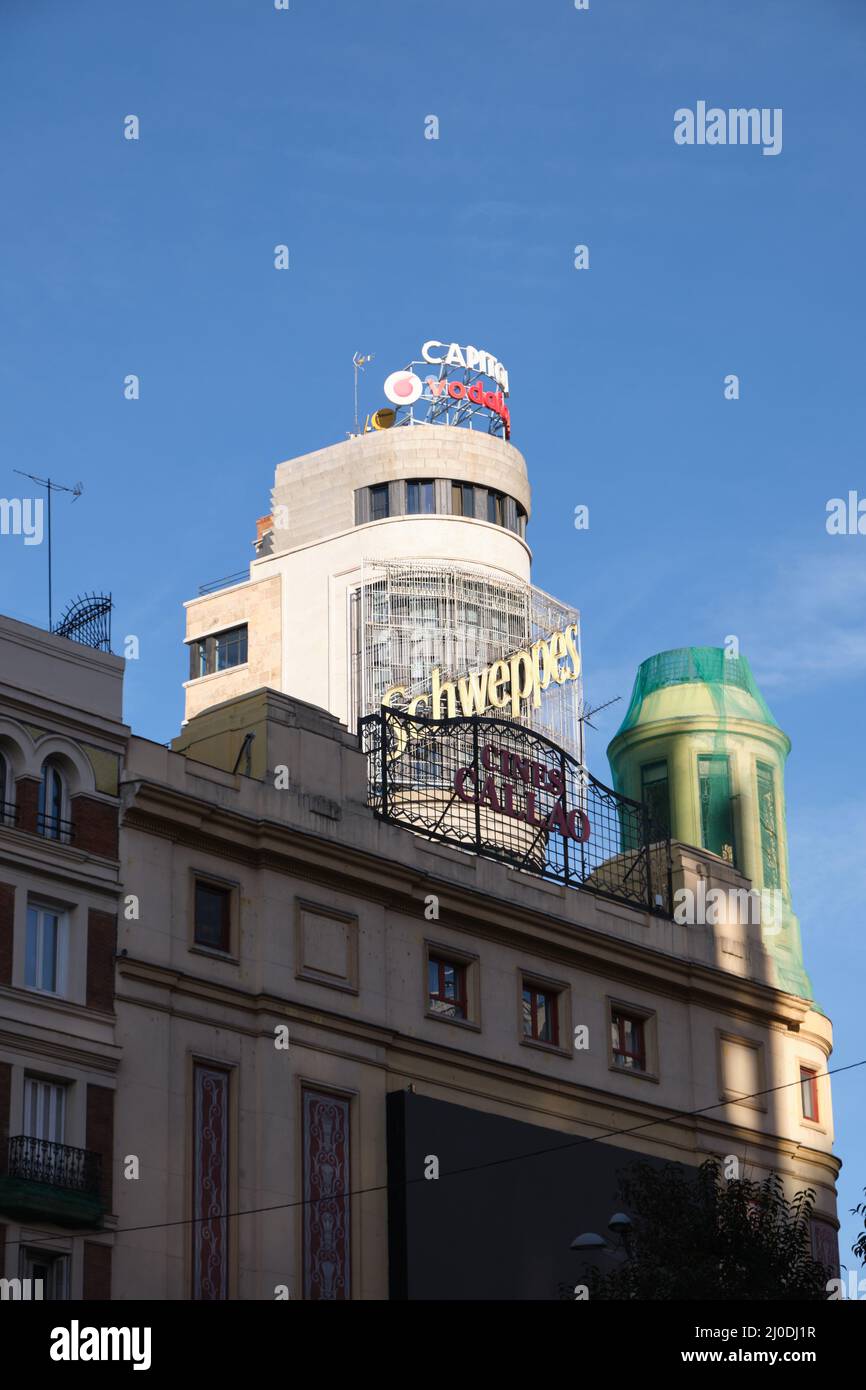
52	803
7	805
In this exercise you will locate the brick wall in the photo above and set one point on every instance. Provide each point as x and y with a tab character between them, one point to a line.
100	1134
5	1103
7	915
95	826
27	799
101	947
97	1271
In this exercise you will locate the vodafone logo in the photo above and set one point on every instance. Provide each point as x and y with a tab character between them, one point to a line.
458	391
403	388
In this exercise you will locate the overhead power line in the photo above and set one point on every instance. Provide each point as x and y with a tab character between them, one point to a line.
452	1173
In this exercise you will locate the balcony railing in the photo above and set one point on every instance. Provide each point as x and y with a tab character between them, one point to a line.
53	828
8	813
502	790
227	580
58	1165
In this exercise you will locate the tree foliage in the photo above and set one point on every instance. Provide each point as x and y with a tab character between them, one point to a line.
697	1235
859	1248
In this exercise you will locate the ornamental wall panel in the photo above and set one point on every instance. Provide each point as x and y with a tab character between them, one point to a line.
210	1182
326	1160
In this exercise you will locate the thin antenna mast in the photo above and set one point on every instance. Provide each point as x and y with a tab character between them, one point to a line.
359	362
51	487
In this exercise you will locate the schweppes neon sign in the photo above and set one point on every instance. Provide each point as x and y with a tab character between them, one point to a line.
508	682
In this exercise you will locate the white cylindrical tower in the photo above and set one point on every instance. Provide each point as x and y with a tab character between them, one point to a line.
386	558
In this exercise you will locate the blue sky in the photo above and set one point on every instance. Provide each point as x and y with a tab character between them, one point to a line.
306	127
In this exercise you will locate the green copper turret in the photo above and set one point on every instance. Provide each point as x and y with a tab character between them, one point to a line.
699	745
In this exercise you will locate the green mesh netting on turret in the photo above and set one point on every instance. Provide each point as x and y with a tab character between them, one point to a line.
733	696
709	666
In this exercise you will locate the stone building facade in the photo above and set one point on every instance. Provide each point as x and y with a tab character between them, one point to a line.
62	744
258	1041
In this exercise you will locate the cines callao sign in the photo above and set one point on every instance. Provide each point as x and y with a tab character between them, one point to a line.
520	792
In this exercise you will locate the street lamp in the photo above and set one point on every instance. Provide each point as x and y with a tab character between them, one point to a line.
619	1226
588	1241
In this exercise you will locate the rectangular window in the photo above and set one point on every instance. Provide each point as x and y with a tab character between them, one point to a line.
769	827
419	497
210	1243
379	508
219	652
49	1266
44	1110
45	950
327	1184
742	1071
446	987
655	795
231	648
197	659
540	1021
495	512
628	1040
213	909
809	1093
717	812
462	499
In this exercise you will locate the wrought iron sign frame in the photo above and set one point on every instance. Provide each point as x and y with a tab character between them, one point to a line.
499	789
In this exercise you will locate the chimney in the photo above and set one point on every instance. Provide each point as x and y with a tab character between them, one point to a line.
264	535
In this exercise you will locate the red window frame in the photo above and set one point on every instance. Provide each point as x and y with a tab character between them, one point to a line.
809	1085
638	1057
551	997
439	995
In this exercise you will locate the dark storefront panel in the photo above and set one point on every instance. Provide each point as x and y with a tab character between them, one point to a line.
502	1229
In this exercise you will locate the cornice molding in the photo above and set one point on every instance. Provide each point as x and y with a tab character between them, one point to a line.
21	850
74	1053
300	853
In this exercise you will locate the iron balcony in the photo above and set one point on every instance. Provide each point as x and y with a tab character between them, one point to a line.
46	1181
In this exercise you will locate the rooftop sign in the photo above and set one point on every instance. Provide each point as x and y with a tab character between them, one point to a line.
457	393
496	788
469	358
524	676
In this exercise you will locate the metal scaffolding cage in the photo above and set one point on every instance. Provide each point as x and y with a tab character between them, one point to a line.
443	409
409	616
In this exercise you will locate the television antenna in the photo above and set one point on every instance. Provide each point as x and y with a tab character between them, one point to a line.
359	362
51	486
585	717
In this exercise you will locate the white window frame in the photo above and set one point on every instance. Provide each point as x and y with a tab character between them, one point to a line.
35	1088
61	963
56	1287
